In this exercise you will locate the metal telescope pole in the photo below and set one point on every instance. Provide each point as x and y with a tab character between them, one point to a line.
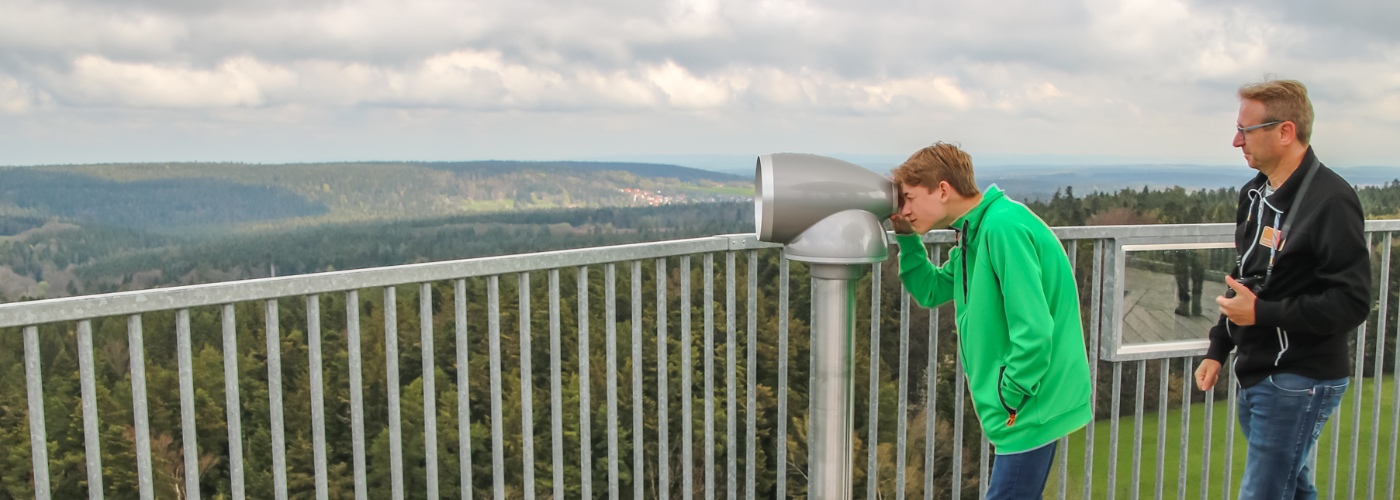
832	423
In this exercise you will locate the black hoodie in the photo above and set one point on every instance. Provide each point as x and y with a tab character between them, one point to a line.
1321	284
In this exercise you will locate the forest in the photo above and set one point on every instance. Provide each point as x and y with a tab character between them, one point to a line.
48	259
317	250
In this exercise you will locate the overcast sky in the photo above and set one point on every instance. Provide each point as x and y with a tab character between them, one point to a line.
331	80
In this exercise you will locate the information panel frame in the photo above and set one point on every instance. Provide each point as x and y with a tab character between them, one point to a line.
1113	311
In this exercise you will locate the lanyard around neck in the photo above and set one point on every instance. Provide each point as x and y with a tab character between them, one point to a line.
1293	208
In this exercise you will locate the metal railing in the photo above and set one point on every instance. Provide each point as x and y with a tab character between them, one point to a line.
672	268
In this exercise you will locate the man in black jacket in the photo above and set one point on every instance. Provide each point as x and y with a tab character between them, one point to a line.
1302	285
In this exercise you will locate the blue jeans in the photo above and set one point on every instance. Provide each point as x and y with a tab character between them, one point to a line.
1281	418
1018	476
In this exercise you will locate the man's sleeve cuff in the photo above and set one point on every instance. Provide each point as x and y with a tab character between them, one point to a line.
1217	353
1219	349
1267	312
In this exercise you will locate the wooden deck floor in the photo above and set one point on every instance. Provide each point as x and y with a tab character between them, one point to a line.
1150	302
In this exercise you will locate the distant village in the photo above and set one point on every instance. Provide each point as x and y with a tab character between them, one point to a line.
652	198
644	198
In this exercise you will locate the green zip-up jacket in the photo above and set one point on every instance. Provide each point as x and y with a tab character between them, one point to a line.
1020	339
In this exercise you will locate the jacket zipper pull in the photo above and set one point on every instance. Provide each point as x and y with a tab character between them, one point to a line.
1012	419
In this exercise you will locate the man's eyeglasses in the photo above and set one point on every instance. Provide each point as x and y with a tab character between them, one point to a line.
1244	130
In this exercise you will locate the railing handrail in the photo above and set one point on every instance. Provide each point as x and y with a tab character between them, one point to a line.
211	294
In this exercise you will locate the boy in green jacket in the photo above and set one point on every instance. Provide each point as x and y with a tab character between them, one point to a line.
1017	312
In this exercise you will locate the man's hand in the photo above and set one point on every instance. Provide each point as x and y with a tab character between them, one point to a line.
901	224
1207	374
1240	308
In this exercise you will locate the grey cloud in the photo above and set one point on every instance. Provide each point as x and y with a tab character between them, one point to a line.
851	39
1115	64
1375	19
203	7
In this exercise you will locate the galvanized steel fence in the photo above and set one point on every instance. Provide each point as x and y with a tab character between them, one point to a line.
671	265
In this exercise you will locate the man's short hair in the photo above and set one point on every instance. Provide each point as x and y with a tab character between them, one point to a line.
940	162
1284	100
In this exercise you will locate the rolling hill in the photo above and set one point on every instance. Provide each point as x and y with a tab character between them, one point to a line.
219	197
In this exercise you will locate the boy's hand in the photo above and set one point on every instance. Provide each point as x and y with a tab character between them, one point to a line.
901	224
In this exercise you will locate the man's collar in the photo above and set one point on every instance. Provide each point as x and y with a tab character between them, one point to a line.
1300	166
973	218
1283	196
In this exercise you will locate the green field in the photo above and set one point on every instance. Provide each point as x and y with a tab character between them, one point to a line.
1216	488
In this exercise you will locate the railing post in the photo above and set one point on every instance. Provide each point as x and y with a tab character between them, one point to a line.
187	416
90	423
38	440
274	397
872	443
782	377
464	442
425	330
318	402
141	420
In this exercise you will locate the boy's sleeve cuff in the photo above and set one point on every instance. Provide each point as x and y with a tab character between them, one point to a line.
909	244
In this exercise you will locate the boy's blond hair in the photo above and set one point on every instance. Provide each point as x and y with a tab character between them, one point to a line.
940	162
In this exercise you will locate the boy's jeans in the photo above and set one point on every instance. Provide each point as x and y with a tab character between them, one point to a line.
1022	475
1281	418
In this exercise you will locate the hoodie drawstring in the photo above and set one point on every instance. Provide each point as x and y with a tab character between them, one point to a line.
1255	195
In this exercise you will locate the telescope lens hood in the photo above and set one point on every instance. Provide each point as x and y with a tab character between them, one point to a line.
794	191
